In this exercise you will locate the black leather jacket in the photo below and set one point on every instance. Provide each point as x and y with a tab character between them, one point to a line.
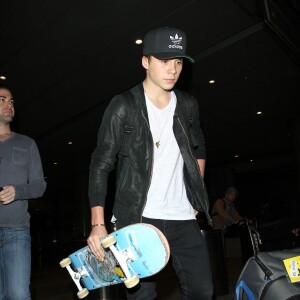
135	170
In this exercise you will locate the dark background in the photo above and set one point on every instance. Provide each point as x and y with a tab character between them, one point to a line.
66	59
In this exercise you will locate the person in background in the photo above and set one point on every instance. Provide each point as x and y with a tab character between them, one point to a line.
160	181
224	213
296	241
229	223
21	178
296	231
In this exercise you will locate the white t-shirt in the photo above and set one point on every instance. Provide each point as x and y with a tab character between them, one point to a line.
167	197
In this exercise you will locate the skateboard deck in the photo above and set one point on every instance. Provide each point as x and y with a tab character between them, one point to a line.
133	252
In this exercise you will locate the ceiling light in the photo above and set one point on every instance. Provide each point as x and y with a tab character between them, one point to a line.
259	113
55	163
138	41
212	81
2	77
70	143
236	156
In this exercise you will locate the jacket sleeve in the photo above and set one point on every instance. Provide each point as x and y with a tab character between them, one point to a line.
109	141
36	185
197	136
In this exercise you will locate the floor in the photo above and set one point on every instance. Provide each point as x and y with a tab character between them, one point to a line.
51	282
54	283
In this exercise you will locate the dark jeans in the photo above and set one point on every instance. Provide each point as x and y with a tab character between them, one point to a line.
15	263
190	259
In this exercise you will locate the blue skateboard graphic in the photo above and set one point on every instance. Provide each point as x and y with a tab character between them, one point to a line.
133	252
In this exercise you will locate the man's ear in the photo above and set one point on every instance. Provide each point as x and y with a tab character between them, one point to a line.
145	62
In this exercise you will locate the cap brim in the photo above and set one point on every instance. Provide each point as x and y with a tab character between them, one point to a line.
170	55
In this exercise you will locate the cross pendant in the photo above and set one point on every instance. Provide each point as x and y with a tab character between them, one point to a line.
157	144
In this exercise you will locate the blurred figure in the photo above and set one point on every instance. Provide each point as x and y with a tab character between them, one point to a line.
296	231
224	213
229	222
296	240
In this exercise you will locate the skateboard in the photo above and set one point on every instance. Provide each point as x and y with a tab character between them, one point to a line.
133	252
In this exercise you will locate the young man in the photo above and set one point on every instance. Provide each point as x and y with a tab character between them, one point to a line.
160	179
21	178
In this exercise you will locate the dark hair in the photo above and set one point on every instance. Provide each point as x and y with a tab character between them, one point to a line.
148	56
5	87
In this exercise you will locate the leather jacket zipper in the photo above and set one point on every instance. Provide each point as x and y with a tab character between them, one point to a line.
150	178
206	208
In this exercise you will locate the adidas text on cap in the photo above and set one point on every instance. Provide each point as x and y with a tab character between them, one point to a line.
166	43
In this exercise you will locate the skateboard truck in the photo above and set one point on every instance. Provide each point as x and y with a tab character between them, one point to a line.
65	263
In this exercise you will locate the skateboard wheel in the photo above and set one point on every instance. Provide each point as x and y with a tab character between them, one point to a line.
131	282
108	241
83	293
65	262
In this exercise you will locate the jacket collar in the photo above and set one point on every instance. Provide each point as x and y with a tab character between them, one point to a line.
138	91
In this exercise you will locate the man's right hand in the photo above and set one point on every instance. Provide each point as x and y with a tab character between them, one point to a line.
93	241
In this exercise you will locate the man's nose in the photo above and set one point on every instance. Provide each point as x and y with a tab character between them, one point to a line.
172	68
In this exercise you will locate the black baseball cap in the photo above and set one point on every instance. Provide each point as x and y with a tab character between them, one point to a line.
166	43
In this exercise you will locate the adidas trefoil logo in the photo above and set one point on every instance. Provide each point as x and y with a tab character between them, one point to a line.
176	40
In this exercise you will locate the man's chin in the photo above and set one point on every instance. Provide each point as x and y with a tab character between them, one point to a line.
8	119
169	87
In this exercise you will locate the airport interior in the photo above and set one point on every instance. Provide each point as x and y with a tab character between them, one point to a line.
65	60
